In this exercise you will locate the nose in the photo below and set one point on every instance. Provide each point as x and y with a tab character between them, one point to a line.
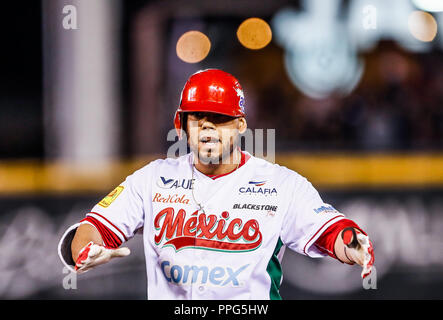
206	123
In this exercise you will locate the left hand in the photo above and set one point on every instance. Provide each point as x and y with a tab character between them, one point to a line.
358	248
93	255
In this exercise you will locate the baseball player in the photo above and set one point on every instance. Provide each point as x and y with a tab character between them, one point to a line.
215	221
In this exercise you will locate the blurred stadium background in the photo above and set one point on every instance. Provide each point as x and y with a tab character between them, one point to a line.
354	90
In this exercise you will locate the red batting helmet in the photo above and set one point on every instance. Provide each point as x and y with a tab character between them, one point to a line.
210	90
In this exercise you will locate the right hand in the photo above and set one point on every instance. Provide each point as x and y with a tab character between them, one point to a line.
93	255
360	249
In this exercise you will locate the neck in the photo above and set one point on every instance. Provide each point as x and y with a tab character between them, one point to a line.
221	168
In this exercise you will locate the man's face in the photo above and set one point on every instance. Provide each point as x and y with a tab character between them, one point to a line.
213	136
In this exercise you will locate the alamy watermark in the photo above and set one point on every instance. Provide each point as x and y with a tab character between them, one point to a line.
69	281
369	21
69	21
370	282
258	142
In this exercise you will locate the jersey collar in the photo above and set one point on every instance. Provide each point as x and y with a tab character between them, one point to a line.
244	157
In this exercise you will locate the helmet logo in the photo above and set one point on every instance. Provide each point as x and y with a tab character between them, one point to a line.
241	101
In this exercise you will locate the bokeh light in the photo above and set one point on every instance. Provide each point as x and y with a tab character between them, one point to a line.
254	33
422	26
429	5
193	46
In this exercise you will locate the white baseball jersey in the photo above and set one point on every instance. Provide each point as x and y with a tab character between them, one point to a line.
220	238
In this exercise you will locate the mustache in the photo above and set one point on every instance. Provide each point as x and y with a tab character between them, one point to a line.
209	138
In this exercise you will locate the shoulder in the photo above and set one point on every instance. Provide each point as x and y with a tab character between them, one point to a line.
280	172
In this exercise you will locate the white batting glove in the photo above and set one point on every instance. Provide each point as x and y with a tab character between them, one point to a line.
358	248
93	255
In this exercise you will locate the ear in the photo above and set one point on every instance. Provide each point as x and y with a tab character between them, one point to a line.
242	125
184	123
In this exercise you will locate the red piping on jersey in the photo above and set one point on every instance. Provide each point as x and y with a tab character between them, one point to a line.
124	237
243	159
338	216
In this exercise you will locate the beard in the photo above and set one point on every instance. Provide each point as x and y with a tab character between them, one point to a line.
212	156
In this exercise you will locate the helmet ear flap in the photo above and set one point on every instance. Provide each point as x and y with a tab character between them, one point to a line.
180	124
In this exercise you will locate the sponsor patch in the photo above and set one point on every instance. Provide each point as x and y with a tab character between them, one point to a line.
106	202
208	232
257	188
258	191
191	274
170	198
326	209
270	210
257	183
170	183
249	206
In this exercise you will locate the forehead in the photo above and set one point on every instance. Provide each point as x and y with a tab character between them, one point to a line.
211	116
207	114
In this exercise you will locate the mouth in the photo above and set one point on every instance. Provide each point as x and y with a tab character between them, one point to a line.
209	140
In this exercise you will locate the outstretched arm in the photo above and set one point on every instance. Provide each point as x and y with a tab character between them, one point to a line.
114	220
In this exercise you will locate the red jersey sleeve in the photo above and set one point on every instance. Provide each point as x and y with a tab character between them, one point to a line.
110	239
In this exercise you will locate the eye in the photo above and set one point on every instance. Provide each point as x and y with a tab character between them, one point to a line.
197	115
